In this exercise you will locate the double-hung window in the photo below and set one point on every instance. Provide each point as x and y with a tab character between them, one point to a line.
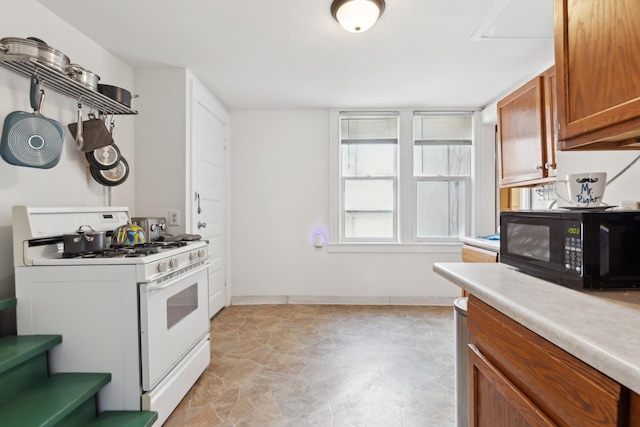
369	177
401	177
441	174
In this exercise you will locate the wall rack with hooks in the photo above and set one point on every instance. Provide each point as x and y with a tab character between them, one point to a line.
59	82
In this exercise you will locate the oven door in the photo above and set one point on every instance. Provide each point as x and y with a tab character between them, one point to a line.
174	316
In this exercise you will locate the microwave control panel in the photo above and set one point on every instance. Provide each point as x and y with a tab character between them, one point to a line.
573	248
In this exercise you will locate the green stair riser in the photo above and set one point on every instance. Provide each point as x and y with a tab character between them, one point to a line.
22	377
49	402
81	416
125	419
7	303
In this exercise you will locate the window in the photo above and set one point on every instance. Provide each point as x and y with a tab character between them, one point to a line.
401	177
441	174
369	167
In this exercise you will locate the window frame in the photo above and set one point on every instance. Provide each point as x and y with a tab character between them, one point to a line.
467	179
406	189
341	209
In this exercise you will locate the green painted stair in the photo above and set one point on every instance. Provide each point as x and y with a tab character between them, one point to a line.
124	419
7	303
65	398
23	362
30	397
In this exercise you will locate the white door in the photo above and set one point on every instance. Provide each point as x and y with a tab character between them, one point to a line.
208	148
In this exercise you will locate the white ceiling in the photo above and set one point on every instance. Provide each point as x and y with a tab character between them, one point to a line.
289	54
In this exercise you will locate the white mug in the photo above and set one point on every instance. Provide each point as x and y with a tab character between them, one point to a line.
585	189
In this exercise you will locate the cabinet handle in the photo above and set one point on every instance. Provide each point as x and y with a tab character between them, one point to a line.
548	166
539	167
202	225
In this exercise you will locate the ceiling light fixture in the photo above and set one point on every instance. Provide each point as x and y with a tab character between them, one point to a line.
357	16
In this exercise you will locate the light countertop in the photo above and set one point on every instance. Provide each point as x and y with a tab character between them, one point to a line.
602	328
492	245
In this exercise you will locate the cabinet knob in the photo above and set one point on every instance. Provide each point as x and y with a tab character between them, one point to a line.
548	166
539	167
202	224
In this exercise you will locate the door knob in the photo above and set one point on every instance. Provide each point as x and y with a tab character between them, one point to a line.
202	224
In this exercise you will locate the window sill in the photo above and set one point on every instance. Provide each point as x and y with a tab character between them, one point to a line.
426	247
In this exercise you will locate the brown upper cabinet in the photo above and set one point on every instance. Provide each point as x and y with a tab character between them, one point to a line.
597	58
526	136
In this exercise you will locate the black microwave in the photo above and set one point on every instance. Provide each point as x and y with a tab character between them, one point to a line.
580	249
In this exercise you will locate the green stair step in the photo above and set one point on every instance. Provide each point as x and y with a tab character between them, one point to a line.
7	303
23	362
125	419
49	402
15	349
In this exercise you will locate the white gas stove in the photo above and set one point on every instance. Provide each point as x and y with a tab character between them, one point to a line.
139	312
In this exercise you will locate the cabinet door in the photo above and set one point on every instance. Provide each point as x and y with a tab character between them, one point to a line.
473	254
494	401
522	136
569	391
597	48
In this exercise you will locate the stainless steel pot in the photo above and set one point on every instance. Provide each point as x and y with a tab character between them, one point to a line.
83	76
82	241
35	48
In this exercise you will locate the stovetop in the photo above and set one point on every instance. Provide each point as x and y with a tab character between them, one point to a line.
128	251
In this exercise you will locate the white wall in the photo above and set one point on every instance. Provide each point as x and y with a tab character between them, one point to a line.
626	187
279	197
68	183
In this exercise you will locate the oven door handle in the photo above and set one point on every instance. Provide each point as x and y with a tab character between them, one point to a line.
151	287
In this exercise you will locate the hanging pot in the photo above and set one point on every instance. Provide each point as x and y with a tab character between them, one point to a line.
116	93
35	48
111	177
83	76
84	241
30	139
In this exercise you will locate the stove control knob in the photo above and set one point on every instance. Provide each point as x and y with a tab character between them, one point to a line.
200	253
162	226
153	227
193	256
162	267
174	262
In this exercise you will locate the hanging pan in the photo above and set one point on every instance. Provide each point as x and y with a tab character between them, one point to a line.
30	139
111	177
107	157
104	158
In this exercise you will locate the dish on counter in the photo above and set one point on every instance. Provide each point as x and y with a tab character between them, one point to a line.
587	208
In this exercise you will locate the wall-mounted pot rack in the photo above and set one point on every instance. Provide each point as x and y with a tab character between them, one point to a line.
55	80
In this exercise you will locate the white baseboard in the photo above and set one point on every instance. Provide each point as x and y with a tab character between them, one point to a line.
340	300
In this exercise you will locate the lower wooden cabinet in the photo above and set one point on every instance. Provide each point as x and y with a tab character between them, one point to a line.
497	402
517	378
475	254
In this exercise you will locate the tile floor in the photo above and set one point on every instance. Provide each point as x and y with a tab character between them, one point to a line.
325	365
